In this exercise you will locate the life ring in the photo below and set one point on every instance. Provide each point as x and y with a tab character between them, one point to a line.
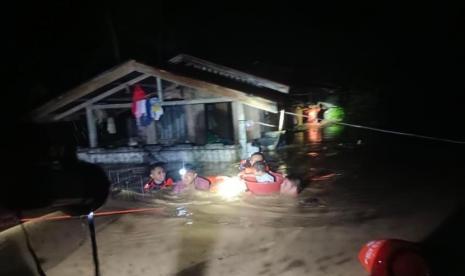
393	257
264	189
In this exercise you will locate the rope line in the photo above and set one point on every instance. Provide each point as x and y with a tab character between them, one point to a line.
386	131
96	214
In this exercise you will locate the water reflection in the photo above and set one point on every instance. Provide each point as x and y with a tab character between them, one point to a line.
314	134
332	131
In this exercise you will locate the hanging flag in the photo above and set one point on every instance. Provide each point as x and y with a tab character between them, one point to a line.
138	106
138	101
146	118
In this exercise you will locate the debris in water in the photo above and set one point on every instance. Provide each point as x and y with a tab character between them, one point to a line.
323	176
313	202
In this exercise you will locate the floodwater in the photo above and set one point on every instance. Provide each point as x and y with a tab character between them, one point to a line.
359	187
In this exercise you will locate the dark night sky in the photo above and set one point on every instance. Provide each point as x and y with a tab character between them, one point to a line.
413	54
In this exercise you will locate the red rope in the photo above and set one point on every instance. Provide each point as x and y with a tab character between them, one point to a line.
47	218
97	214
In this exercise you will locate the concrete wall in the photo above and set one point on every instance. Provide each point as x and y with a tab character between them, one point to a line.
186	153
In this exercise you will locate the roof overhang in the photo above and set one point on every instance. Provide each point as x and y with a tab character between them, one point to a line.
126	71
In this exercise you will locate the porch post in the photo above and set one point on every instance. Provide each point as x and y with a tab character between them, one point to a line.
159	90
281	120
240	127
91	127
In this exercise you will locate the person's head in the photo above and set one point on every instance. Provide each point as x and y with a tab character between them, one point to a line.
296	181
190	175
291	186
260	167
157	172
258	156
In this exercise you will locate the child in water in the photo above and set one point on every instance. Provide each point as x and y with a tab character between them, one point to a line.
261	174
246	166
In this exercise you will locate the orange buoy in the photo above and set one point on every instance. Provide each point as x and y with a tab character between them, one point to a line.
393	258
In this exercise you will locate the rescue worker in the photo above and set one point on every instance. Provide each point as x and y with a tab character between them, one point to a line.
191	181
158	179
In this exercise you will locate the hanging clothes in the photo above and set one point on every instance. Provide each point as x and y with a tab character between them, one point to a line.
141	109
156	110
111	126
100	115
138	106
146	118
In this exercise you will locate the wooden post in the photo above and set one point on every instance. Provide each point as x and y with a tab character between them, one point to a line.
281	120
300	118
159	90
91	127
239	127
235	122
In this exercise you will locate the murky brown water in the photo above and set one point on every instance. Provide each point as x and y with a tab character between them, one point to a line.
319	233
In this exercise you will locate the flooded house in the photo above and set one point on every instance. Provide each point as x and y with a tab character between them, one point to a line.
196	111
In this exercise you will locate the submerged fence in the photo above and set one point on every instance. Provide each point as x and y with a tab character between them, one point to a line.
127	178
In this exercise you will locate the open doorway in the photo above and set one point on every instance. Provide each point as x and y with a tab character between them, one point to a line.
219	123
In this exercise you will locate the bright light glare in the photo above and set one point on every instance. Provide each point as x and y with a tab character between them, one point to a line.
231	187
182	171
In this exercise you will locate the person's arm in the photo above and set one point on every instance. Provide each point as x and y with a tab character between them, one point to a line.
177	187
148	186
244	164
202	183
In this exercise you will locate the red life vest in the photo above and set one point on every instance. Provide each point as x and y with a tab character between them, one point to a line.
151	185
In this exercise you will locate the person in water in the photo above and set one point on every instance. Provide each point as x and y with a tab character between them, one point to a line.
190	182
261	174
255	157
291	186
246	166
158	179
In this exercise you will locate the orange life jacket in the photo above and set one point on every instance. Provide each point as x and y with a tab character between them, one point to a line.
152	185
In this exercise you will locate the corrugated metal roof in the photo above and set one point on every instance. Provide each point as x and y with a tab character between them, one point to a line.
227	72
